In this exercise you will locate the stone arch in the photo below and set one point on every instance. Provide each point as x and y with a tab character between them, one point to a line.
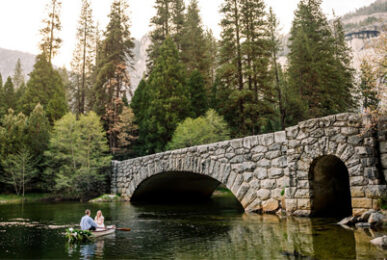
330	187
141	172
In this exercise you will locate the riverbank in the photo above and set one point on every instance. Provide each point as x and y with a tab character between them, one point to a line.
31	197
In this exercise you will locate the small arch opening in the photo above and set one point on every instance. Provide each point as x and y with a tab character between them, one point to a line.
331	196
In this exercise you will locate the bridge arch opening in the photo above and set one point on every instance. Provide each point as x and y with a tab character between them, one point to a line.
330	189
180	187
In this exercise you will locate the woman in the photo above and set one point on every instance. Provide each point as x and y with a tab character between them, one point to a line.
99	219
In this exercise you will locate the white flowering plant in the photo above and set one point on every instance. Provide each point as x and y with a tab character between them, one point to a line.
77	235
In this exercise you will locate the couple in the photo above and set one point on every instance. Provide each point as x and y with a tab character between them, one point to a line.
87	223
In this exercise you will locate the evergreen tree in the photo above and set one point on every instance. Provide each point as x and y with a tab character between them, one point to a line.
212	55
38	134
168	21
317	70
230	84
168	101
243	88
197	94
3	109
368	86
343	58
275	46
45	86
18	75
178	21
113	82
83	58
194	50
50	43
9	94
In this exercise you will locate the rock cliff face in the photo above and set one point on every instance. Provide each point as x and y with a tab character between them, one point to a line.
139	64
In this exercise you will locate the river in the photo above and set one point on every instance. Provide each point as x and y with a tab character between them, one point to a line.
212	230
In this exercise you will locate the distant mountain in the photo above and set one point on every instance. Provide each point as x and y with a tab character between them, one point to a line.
8	59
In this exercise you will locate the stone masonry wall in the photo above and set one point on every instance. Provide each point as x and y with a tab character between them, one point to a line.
382	136
271	171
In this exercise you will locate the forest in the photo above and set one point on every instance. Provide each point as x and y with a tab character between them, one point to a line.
59	130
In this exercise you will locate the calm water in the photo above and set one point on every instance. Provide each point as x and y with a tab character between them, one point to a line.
213	230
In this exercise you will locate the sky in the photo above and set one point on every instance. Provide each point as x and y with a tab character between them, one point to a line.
20	20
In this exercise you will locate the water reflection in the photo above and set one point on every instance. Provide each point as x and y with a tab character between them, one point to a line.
209	231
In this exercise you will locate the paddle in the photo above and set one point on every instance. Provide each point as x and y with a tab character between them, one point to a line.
123	229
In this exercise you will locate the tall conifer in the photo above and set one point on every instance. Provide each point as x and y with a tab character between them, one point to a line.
18	75
83	60
316	71
50	42
112	78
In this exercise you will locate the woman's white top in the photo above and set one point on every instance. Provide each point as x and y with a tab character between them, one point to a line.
99	221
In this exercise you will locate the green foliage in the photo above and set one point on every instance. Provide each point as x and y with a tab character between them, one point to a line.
319	69
197	94
368	86
19	170
45	86
244	91
167	101
24	139
9	94
194	54
206	129
77	235
77	156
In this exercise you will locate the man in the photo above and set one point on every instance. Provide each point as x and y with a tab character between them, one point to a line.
87	223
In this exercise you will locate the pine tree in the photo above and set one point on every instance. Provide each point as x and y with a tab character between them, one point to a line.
2	102
112	80
194	53
317	70
50	43
9	94
243	87
197	94
274	49
83	58
168	21
342	54
212	54
18	75
178	21
255	62
368	86
230	73
168	101
45	86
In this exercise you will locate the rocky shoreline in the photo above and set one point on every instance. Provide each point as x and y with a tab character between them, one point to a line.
371	220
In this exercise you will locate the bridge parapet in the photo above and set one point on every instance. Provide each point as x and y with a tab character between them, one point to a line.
271	171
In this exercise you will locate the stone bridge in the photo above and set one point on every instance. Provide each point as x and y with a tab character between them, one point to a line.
335	165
